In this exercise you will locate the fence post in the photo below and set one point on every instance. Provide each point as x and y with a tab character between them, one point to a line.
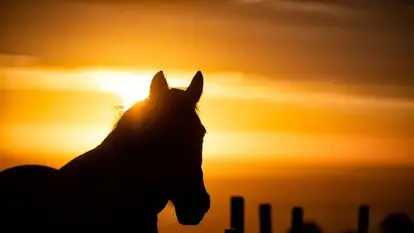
297	220
265	218
363	219
237	213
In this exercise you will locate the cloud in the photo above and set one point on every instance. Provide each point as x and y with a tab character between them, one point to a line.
307	40
18	60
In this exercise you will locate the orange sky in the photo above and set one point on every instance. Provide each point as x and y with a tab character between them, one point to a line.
63	113
292	82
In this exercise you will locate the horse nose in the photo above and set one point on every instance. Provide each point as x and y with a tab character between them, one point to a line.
193	213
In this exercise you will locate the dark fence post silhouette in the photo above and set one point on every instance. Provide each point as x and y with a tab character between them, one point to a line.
237	213
363	219
297	220
265	218
237	217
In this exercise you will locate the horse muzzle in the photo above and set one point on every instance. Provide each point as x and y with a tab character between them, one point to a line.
192	212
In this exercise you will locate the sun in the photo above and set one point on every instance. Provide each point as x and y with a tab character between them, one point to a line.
131	87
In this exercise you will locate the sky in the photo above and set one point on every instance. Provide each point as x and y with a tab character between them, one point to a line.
310	81
54	113
354	42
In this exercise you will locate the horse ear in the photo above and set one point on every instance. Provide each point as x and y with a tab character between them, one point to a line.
159	85
195	89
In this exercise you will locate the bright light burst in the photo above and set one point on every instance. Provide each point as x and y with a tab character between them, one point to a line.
130	87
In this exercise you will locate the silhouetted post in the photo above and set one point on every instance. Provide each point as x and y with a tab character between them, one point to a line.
297	220
237	214
231	230
363	219
265	218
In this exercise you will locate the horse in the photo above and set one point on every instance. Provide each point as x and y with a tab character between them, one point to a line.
152	156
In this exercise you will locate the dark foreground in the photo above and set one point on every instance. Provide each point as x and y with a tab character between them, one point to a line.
330	196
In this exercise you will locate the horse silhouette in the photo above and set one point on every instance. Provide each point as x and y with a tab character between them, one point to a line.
153	155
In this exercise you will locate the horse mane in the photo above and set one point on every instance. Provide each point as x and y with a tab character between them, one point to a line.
135	112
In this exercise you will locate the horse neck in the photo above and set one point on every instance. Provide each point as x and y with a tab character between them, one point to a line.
90	161
104	161
95	160
108	180
140	163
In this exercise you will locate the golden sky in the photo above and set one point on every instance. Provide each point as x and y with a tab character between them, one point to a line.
286	81
62	113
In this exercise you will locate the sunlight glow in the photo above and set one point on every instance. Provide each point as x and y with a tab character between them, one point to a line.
130	87
76	107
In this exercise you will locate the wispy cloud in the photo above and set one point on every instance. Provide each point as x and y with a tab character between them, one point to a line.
258	118
233	85
304	40
314	7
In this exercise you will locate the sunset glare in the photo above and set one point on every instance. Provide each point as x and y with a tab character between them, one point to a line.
306	103
78	105
130	87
